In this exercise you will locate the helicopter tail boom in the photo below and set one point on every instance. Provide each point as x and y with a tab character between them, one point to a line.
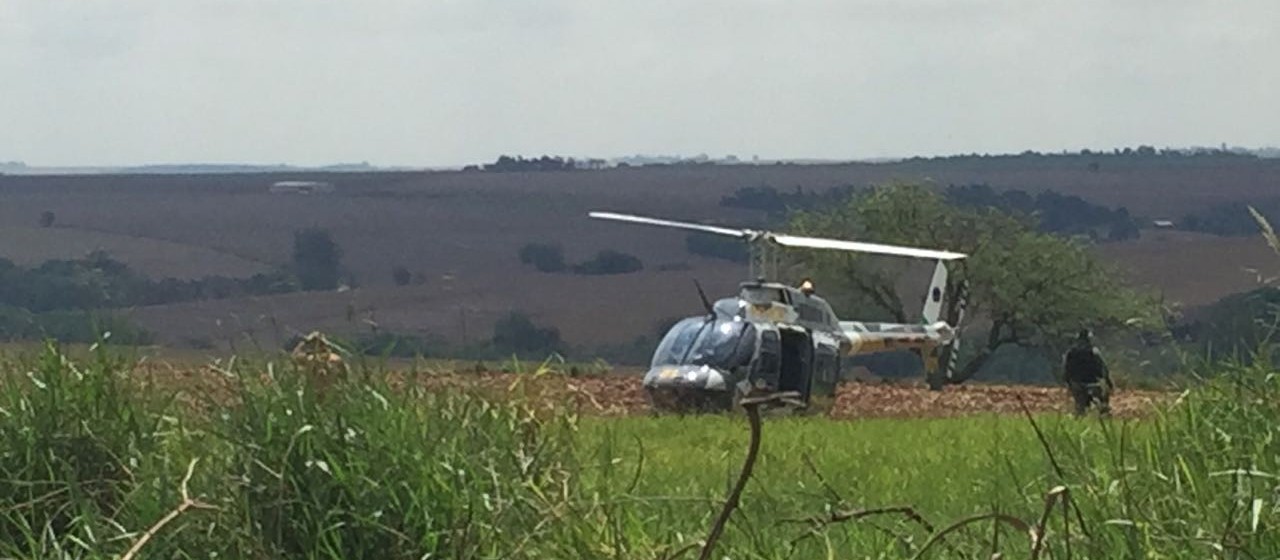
870	338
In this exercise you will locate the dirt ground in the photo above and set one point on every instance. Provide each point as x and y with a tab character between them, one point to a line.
859	400
619	395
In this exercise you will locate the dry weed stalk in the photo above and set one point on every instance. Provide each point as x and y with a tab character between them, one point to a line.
752	406
1268	232
1036	534
821	522
187	503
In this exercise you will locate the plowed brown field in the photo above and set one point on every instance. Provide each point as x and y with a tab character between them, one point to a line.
622	395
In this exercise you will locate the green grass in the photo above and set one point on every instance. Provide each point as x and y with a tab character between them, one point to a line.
945	469
298	464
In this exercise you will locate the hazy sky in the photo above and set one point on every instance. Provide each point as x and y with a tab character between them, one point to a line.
438	82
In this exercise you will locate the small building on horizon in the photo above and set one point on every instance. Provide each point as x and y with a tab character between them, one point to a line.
301	187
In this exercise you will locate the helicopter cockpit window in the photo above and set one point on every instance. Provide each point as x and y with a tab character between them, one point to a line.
723	344
727	307
761	296
677	341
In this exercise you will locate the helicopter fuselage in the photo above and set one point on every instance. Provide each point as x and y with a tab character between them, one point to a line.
772	337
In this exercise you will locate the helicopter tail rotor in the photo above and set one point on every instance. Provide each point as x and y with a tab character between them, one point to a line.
951	352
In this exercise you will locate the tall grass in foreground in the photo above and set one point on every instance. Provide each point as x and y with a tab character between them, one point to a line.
284	467
102	461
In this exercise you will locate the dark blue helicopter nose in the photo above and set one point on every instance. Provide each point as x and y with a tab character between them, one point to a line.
687	377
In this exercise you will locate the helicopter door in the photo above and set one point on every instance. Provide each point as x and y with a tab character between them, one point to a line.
768	366
826	370
797	362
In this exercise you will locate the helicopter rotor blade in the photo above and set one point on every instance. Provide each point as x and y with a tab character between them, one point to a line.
840	245
739	233
787	240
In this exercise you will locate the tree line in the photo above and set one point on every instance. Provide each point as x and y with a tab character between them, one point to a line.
1051	211
549	257
1142	152
98	281
1048	211
507	163
70	299
514	334
1230	219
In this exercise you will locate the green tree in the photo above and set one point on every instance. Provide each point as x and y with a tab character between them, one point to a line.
401	276
1027	289
543	256
516	333
317	259
609	261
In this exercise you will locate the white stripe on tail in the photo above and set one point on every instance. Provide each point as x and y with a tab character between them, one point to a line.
937	290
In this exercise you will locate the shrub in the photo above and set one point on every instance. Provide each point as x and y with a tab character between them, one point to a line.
544	257
316	259
717	247
401	276
609	262
400	345
517	334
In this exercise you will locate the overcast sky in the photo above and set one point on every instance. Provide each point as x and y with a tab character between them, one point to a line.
441	82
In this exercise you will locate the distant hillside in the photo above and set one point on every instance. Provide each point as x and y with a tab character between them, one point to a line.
438	253
19	168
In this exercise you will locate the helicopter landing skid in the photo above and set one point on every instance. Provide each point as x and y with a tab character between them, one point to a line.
688	400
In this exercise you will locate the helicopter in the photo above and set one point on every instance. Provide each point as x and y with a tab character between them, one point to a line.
774	338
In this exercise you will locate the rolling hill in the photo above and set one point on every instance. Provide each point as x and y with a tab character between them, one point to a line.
459	233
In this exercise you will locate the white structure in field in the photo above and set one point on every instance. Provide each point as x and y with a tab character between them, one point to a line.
301	187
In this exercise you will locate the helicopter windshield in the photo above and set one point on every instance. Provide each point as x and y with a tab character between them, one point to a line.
721	343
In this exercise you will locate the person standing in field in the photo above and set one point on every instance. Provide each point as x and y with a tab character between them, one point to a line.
1087	375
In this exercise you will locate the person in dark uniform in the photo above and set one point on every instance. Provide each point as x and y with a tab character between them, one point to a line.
806	287
1087	375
